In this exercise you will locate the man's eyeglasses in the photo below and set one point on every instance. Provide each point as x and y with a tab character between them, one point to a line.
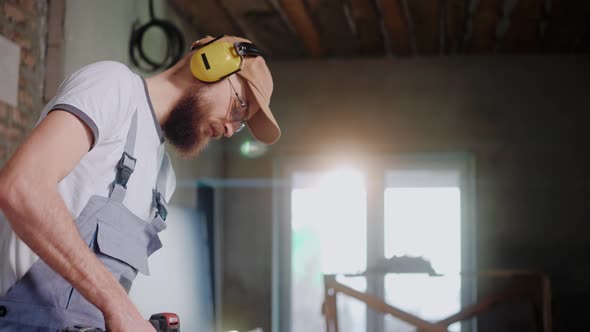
238	113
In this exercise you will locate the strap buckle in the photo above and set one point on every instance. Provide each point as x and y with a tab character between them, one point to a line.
161	205
126	167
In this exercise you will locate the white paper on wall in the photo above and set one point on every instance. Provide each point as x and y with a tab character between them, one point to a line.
9	69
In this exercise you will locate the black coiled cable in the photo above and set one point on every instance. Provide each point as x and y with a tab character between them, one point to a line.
174	44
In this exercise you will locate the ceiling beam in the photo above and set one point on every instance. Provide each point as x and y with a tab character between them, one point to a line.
301	21
425	16
524	30
583	41
368	26
567	23
396	27
455	16
336	34
264	26
484	21
208	17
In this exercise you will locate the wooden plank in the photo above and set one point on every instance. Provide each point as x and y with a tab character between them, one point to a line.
368	27
330	307
207	16
378	304
523	33
336	34
484	21
566	24
263	25
301	20
425	16
455	12
396	27
485	304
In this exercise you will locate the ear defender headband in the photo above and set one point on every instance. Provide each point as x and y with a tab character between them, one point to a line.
217	59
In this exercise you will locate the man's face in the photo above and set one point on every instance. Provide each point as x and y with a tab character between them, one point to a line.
204	114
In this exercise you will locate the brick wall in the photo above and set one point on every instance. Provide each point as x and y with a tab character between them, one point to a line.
23	22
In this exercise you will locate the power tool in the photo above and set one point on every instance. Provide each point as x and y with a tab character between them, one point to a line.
165	322
162	322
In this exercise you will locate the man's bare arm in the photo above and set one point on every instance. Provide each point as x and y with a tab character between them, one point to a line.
39	216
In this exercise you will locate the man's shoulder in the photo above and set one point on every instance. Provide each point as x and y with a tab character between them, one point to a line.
105	69
97	80
102	94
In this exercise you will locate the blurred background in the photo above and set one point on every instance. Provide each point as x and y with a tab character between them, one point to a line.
432	156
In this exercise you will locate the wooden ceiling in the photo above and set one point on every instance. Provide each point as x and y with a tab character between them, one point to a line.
293	29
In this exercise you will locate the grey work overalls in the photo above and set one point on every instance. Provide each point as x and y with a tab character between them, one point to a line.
43	301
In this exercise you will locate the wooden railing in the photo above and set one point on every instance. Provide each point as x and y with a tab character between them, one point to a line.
523	284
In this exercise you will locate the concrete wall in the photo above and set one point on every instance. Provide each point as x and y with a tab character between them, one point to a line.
523	118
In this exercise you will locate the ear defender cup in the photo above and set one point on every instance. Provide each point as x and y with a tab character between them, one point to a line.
215	61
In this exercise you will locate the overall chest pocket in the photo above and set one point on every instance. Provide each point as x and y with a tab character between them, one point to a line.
123	252
122	240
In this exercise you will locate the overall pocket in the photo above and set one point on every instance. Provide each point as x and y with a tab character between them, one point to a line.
122	251
120	241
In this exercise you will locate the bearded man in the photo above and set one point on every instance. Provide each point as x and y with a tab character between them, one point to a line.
85	195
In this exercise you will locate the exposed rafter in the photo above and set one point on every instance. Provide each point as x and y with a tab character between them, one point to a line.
368	26
263	25
300	18
484	21
583	40
426	17
455	15
208	17
567	24
524	30
336	35
396	27
291	29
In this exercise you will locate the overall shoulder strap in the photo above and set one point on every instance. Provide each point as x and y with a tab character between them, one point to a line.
159	193
126	164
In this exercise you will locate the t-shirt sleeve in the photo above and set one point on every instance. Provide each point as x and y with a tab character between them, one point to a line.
100	95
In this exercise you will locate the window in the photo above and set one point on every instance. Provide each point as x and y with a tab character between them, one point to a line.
346	221
328	228
423	219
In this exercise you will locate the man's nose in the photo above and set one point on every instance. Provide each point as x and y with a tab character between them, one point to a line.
230	129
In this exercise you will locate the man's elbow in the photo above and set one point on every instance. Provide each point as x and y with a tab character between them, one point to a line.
7	190
14	189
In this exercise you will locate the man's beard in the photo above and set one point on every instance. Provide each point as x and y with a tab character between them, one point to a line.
183	127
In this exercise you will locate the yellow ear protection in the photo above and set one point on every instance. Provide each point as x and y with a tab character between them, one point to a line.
218	59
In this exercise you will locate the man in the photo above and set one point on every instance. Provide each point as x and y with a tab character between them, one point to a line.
86	191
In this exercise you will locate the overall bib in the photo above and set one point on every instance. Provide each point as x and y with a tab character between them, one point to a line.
43	301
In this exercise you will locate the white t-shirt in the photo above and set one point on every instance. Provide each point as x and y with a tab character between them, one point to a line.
104	95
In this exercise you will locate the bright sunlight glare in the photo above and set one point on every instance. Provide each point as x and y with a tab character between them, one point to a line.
332	213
